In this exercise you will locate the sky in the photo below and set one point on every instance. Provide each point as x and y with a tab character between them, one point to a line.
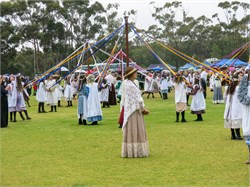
144	19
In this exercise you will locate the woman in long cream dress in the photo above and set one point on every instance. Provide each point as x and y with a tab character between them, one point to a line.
135	142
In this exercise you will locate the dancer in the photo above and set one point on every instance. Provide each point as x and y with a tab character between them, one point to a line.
104	93
218	96
244	98
180	97
41	96
135	142
198	104
233	109
94	112
82	100
4	103
51	93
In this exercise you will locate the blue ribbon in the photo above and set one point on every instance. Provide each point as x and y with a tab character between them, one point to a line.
106	39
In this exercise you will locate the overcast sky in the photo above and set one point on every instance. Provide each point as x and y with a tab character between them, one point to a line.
144	19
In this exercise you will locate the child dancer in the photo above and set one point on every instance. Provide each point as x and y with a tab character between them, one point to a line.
198	104
180	97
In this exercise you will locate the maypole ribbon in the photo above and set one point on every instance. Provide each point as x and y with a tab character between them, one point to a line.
151	50
70	57
157	57
106	39
122	62
40	77
91	51
233	53
204	65
109	60
239	54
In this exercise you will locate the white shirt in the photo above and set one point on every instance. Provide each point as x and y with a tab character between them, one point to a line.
204	75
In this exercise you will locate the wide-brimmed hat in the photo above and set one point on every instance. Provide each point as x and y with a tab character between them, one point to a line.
91	78
178	75
55	76
129	71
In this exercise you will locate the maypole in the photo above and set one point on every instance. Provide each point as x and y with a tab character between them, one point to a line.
126	31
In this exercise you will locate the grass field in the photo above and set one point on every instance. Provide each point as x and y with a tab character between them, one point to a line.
53	150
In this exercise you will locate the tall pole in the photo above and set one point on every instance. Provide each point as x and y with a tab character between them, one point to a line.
127	50
34	63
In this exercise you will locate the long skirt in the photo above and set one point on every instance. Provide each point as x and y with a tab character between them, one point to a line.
218	96
112	96
135	142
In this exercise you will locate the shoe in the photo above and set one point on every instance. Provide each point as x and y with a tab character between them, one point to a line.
80	122
198	120
94	123
44	111
28	118
84	122
183	120
176	120
248	162
120	126
14	120
239	138
233	138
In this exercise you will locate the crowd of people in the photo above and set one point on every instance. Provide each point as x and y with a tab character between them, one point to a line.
94	93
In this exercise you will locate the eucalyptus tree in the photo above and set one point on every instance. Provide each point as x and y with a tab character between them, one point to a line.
29	19
171	30
235	30
83	20
10	36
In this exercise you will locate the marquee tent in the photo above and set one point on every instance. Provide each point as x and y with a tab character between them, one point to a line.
187	66
228	62
159	67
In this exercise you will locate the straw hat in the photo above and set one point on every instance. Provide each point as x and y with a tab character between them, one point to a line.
129	71
55	76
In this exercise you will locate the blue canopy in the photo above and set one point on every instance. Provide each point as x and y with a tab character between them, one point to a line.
207	63
188	66
228	62
159	67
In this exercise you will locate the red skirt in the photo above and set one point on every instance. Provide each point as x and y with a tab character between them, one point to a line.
121	118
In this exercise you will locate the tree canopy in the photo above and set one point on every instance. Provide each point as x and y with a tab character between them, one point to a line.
36	35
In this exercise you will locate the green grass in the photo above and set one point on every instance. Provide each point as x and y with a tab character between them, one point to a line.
53	150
